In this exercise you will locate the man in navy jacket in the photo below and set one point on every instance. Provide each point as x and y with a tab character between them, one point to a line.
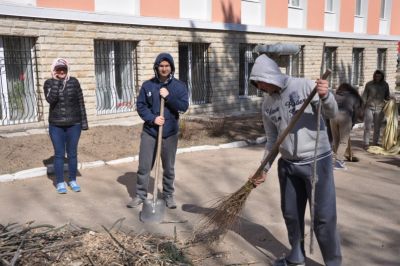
175	94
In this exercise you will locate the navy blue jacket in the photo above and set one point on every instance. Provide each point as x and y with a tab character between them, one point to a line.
148	101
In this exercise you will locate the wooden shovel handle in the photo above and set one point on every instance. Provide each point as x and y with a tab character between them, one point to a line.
158	152
275	149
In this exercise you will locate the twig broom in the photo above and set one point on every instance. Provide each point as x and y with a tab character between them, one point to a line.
226	210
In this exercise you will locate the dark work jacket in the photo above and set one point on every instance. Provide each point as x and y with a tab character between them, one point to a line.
67	106
148	105
148	101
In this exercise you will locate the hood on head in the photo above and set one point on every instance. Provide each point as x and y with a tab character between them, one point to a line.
380	72
266	70
59	63
164	57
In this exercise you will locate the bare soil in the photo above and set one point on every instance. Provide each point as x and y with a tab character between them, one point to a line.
114	142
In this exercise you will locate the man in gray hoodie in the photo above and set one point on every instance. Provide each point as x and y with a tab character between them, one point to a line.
284	96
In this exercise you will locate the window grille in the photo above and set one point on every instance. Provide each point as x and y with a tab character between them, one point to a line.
194	71
116	78
295	66
246	62
358	66
381	60
18	103
330	63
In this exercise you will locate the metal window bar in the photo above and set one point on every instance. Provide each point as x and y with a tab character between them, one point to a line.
115	68
194	71
381	61
358	66
330	63
246	62
295	66
18	101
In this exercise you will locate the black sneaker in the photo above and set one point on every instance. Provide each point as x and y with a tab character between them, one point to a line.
169	201
134	203
284	262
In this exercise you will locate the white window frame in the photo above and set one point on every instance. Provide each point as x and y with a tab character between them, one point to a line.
117	103
4	95
329	6
187	9
383	12
359	8
253	19
295	3
297	14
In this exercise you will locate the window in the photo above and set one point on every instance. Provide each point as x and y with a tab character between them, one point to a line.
246	62
195	10
383	9
358	7
116	79
294	3
381	60
295	66
330	63
252	12
297	16
17	85
358	66
329	6
194	71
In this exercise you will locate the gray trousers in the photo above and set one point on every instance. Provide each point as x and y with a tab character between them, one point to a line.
295	186
373	116
147	154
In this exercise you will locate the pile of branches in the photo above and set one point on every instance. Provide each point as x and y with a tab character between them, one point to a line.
30	244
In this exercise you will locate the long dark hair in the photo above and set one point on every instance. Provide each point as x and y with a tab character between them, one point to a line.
346	87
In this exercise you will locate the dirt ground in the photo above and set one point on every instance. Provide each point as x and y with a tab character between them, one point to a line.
114	142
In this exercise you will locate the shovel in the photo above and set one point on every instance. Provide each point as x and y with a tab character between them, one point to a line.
153	209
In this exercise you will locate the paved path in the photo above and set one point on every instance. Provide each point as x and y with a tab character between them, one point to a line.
367	197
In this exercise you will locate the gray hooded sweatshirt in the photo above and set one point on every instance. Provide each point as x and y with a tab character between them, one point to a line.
278	109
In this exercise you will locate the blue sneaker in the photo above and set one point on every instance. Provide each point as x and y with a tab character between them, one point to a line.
340	165
61	188
74	186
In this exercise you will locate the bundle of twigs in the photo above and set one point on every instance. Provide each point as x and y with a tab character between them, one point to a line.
69	244
226	210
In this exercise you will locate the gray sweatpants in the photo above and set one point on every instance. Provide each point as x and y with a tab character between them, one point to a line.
373	116
295	186
147	153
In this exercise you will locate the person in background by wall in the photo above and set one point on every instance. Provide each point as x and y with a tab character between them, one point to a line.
375	95
67	117
175	94
284	97
350	109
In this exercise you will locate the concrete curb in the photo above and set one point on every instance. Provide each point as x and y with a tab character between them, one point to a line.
41	171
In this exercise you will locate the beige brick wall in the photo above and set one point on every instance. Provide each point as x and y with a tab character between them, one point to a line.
75	41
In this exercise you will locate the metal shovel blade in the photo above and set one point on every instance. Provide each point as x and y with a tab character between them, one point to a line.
152	211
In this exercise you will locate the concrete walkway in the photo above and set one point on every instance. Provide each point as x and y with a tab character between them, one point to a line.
367	198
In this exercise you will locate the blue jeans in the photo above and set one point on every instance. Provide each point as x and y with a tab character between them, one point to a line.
65	138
